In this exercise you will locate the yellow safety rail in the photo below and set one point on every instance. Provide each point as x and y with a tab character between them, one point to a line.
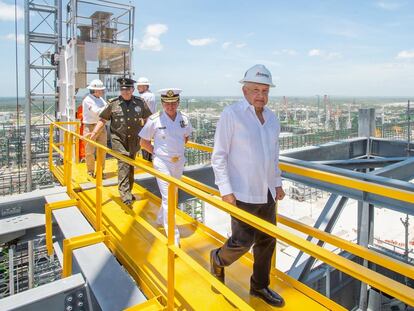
358	250
344	181
382	283
49	207
69	245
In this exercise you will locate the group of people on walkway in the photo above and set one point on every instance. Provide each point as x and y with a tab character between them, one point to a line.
245	159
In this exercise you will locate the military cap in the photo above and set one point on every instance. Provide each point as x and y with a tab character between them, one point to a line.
170	95
125	83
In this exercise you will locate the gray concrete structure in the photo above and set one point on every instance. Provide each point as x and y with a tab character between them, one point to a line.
57	295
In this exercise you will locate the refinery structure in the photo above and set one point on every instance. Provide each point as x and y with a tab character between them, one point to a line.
345	233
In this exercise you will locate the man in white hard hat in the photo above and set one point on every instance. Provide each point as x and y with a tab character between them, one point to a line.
245	163
92	106
170	130
148	97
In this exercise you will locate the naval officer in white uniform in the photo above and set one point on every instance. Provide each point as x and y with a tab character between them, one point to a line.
170	130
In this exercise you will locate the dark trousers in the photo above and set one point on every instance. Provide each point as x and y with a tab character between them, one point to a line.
244	237
126	178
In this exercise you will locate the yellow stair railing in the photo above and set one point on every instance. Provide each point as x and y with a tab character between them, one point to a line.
204	193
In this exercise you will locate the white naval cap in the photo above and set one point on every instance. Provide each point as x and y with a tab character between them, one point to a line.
170	95
258	74
96	85
143	81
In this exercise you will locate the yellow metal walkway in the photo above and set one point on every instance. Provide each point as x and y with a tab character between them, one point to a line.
178	278
145	257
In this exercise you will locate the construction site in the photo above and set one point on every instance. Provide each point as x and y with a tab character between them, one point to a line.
344	232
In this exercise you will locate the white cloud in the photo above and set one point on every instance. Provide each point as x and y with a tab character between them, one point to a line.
12	37
388	5
151	39
324	54
240	45
226	44
289	52
405	55
201	42
315	52
7	12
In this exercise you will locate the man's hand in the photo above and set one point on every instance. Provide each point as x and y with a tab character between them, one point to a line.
280	194
91	135
229	198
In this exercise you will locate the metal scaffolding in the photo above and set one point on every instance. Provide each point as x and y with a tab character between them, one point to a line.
26	265
43	37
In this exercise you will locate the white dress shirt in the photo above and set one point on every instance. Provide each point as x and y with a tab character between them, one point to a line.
149	98
92	107
169	136
246	153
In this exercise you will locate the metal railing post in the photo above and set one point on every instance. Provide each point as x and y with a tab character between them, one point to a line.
172	203
69	162
77	141
65	157
48	225
99	188
51	147
69	245
49	207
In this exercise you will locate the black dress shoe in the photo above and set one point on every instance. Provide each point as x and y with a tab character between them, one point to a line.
268	295
128	202
215	269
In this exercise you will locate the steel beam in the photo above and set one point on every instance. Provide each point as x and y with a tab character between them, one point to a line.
28	104
403	170
377	200
361	163
11	270
389	148
30	262
365	237
325	222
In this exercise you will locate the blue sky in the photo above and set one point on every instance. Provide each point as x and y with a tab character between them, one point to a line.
354	48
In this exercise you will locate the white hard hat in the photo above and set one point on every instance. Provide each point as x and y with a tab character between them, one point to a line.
96	85
143	81
258	74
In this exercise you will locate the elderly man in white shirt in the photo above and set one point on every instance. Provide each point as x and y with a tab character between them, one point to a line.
92	106
245	163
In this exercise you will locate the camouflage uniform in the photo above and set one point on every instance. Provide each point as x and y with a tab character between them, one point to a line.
127	119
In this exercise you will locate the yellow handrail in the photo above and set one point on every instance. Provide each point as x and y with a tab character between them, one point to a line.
360	251
70	244
387	285
344	181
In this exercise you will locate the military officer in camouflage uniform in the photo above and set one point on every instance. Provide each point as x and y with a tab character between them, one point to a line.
127	114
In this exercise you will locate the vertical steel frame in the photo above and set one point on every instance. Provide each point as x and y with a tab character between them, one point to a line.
43	37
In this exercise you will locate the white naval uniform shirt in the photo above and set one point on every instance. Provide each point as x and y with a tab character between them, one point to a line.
246	153
169	136
92	107
149	98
